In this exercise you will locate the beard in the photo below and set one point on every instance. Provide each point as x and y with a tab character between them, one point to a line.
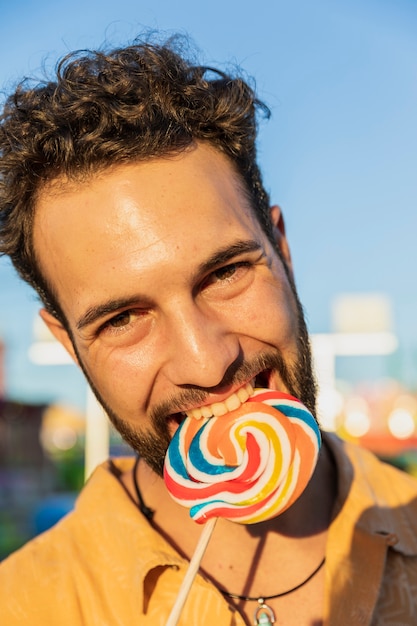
151	444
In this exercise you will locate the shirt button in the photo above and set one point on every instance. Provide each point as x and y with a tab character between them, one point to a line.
391	539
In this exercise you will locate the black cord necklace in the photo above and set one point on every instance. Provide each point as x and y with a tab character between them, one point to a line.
147	512
264	615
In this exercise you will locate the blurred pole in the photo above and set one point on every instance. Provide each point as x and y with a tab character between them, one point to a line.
45	350
326	347
2	371
97	435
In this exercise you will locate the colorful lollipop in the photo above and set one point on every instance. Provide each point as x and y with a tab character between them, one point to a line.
248	465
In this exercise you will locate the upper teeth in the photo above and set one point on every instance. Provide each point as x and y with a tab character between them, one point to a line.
221	408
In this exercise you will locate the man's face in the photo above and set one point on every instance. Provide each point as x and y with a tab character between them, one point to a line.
174	296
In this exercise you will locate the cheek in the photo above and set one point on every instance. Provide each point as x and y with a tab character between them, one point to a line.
269	313
122	380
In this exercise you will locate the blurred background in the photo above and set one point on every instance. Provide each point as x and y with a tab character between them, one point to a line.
339	156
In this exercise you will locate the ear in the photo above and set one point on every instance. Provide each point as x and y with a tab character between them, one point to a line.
59	332
278	229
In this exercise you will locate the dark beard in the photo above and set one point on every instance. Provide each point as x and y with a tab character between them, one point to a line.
152	444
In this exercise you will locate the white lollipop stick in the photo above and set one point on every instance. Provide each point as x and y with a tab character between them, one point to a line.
191	572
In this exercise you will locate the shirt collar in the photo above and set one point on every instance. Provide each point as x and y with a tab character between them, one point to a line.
374	496
106	497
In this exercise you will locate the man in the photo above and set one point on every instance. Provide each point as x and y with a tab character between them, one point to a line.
132	202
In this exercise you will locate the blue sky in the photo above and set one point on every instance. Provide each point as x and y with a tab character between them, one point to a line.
339	154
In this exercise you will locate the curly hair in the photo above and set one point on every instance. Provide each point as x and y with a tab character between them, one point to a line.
106	108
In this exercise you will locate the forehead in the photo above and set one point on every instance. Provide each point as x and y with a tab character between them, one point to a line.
133	219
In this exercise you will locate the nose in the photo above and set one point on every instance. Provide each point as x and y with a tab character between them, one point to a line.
202	347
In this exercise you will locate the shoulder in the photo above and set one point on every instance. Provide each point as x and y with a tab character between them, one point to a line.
377	495
388	483
32	576
44	579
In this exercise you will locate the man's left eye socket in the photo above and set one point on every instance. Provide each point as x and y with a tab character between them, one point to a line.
225	272
120	320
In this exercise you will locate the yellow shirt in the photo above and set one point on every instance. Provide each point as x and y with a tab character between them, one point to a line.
104	565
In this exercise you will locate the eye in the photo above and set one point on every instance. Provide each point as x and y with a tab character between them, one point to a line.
126	322
227	277
120	320
225	273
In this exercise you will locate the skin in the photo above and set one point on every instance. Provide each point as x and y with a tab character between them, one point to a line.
146	298
174	299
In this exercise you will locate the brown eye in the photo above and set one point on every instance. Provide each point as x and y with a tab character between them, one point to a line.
120	320
227	279
223	273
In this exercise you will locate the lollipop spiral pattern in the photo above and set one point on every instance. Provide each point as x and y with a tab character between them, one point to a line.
248	465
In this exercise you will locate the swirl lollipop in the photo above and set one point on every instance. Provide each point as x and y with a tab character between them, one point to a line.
248	465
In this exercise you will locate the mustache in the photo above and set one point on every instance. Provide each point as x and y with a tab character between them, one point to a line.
237	374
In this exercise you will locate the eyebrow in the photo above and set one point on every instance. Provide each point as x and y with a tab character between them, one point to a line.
226	254
98	311
220	257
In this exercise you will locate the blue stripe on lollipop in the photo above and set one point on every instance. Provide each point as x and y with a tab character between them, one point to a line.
175	456
302	414
196	457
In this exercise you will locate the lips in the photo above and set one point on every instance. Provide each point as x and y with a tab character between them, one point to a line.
263	379
217	409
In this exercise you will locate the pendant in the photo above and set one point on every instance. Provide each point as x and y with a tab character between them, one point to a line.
264	615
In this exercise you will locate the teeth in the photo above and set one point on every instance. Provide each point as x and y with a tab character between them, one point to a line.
205	411
233	402
221	408
243	394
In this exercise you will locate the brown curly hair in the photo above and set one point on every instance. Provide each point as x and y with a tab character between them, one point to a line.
104	108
